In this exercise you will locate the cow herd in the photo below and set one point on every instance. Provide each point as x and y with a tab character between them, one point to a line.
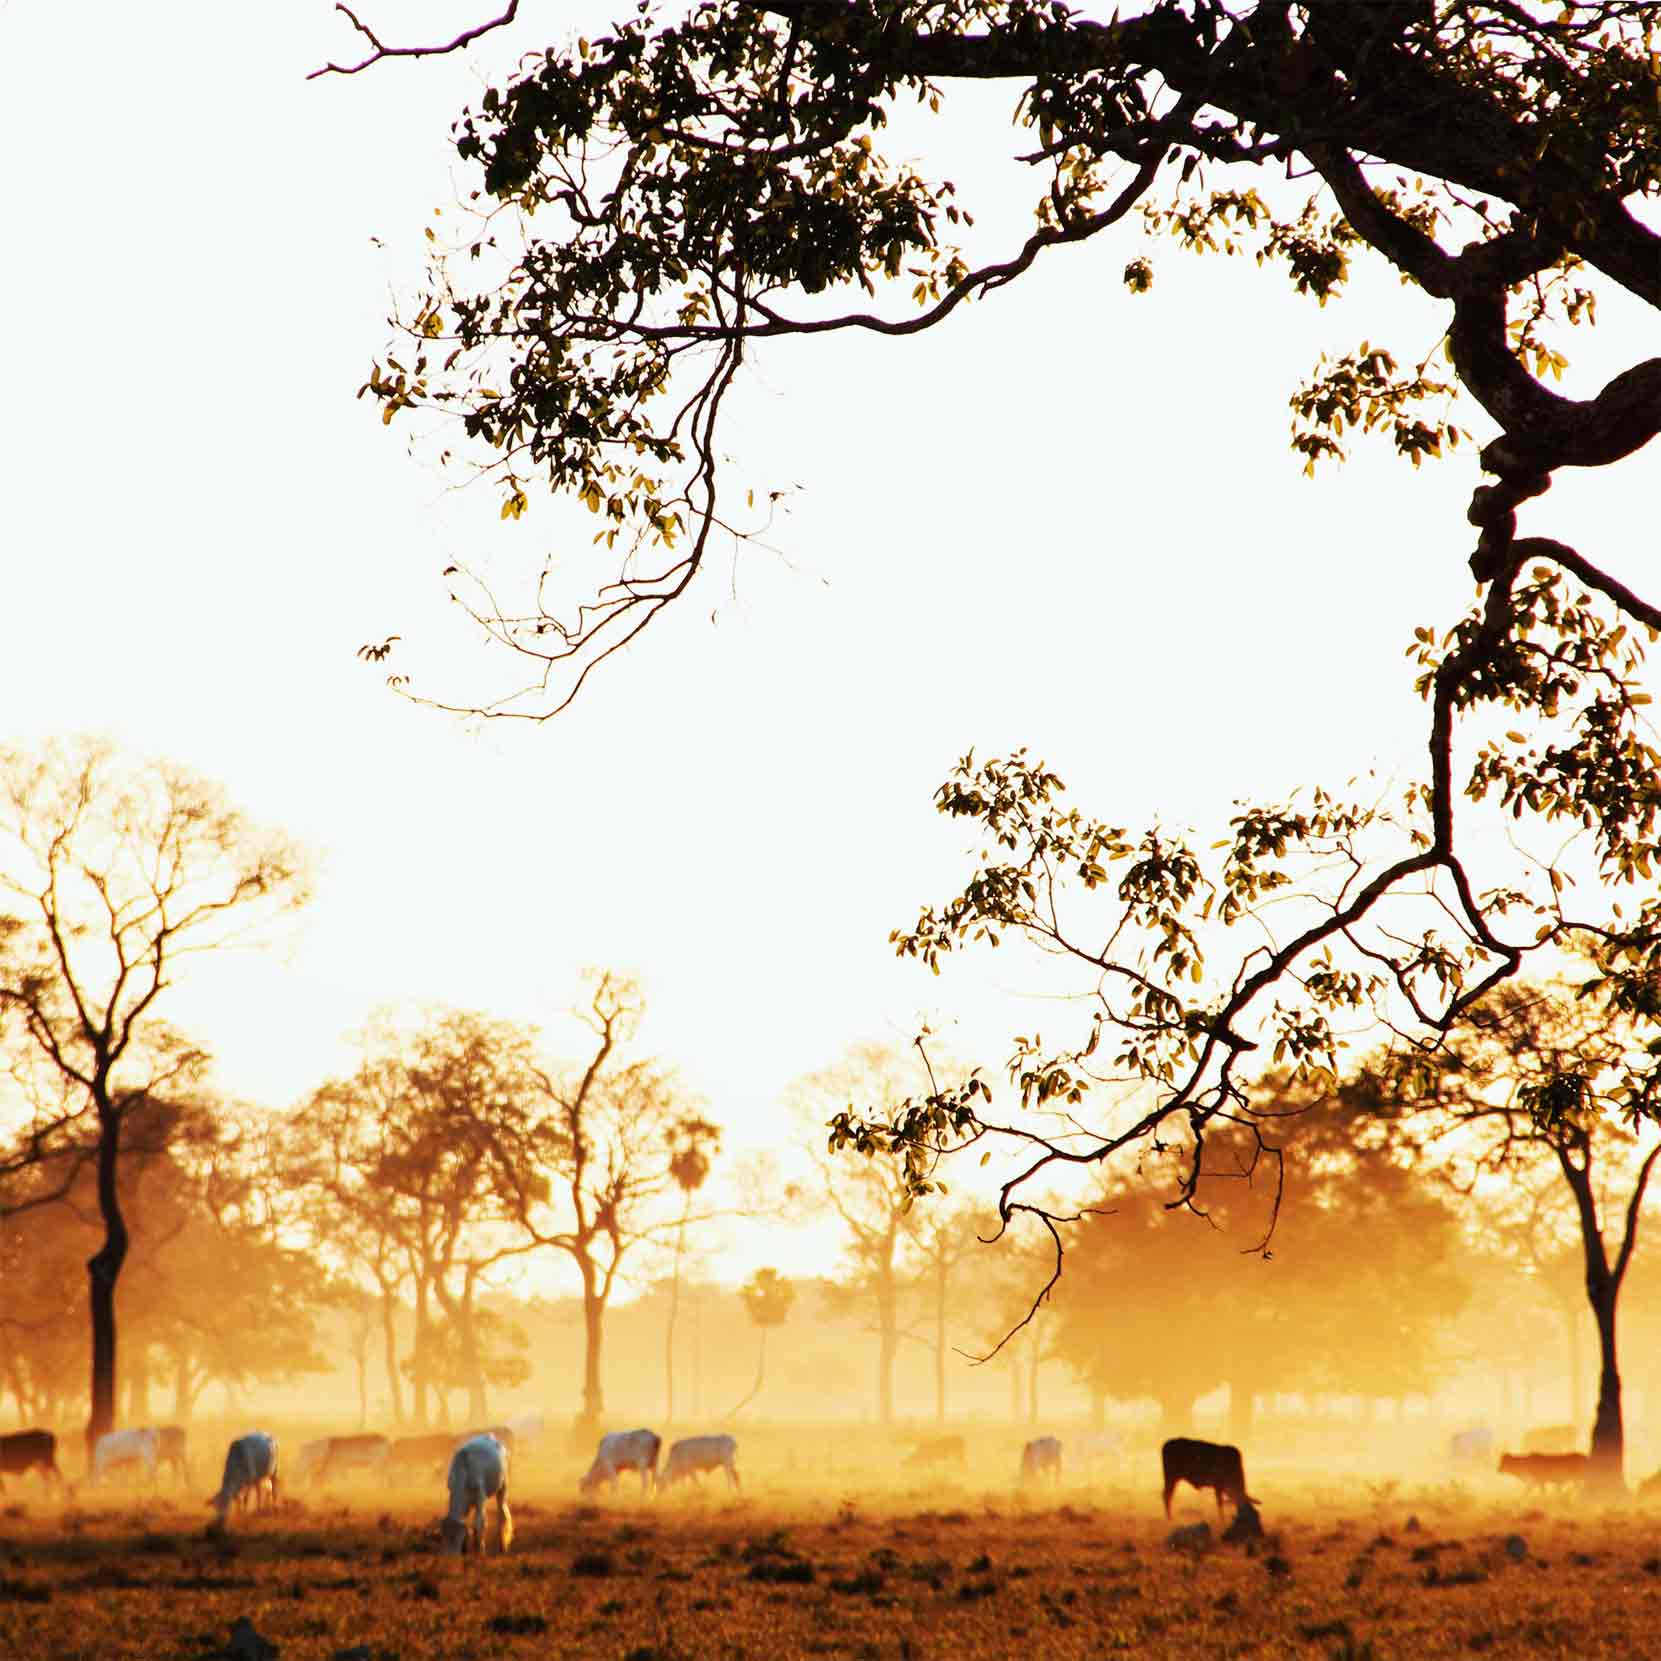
475	1466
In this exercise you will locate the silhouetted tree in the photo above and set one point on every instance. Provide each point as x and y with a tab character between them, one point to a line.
115	872
689	1167
942	1239
1545	1076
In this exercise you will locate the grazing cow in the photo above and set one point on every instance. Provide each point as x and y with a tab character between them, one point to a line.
693	1455
1213	1465
1471	1447
938	1450
1546	1470
1041	1457
623	1450
172	1450
30	1450
125	1447
1550	1439
335	1455
250	1466
502	1433
421	1456
478	1472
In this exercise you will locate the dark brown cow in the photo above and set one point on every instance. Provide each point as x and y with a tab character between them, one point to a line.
1213	1465
30	1450
938	1450
1546	1470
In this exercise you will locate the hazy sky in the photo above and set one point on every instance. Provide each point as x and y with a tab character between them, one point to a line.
1071	520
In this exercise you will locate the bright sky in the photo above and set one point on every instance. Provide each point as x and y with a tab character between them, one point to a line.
1071	520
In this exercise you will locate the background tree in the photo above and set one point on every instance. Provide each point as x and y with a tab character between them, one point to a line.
1542	1076
942	1238
116	873
614	1131
767	1298
717	182
432	1151
689	1167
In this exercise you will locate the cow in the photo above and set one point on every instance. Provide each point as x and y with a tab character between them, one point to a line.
1550	1439
1471	1447
1213	1465
420	1455
250	1467
1546	1470
1041	1457
125	1447
172	1450
938	1450
502	1433
30	1450
623	1450
693	1455
334	1455
478	1472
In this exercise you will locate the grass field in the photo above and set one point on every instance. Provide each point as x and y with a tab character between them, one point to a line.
863	1564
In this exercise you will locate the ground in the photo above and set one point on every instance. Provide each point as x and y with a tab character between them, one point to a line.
835	1550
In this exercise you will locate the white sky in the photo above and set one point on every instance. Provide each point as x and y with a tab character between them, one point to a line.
1070	520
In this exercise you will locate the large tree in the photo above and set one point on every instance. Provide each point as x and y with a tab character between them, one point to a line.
1538	1080
114	873
667	197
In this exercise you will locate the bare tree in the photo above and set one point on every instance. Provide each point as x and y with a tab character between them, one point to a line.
689	1166
117	872
616	1132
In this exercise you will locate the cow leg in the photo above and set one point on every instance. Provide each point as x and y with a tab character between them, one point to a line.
1170	1488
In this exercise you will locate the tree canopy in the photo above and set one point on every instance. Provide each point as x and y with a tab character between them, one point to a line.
657	202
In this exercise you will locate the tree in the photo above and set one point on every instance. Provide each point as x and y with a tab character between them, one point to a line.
117	872
431	1153
689	1167
616	1132
719	181
767	1298
941	1241
1540	1076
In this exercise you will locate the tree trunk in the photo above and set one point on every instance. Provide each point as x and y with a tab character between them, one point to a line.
1608	1432
674	1311
761	1373
103	1271
594	1312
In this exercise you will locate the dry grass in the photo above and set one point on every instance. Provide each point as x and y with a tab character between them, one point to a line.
887	1566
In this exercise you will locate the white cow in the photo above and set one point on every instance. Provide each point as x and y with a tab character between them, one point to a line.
250	1465
1041	1457
125	1447
478	1472
623	1450
694	1455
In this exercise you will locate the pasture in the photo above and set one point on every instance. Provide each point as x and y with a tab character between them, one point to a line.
840	1553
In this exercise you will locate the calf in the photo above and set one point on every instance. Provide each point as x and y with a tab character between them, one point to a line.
335	1455
938	1450
693	1455
30	1450
478	1472
623	1450
1041	1457
1213	1465
250	1466
1546	1470
125	1447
